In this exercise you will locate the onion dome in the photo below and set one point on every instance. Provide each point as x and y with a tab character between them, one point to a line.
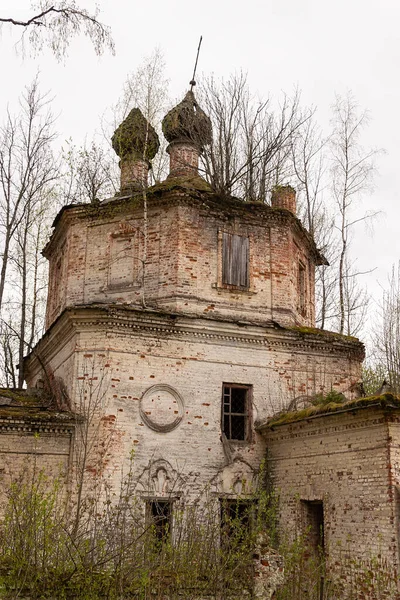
135	138
187	122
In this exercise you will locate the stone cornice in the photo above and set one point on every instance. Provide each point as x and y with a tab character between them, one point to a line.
30	424
133	321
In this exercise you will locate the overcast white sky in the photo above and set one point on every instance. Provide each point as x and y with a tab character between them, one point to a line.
322	48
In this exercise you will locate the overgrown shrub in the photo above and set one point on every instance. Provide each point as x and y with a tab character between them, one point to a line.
114	552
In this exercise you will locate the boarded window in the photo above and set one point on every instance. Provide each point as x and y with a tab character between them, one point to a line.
121	267
235	260
160	518
235	411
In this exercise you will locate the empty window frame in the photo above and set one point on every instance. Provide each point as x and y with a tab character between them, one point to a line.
236	402
235	260
159	516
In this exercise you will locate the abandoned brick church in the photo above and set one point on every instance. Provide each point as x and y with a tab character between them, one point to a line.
195	316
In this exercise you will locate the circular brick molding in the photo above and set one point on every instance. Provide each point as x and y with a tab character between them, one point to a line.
161	408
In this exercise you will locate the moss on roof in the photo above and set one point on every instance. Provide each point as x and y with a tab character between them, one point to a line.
135	138
385	401
324	332
185	183
17	397
20	404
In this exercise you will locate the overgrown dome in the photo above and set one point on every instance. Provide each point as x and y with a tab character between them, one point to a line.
187	122
135	137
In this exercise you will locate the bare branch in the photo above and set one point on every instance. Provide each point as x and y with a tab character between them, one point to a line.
55	24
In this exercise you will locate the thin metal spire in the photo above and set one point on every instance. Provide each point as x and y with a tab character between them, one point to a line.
193	82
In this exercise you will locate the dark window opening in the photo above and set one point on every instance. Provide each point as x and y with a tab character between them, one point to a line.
301	288
235	411
235	260
313	522
313	518
160	516
236	518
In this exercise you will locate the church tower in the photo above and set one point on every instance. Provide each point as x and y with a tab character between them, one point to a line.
194	313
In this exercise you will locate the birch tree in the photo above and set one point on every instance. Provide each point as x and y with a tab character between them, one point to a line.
250	151
352	170
386	333
28	177
54	24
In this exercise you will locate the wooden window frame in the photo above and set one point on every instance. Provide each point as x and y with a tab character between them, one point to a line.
57	283
246	414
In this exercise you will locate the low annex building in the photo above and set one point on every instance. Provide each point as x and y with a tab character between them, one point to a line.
195	316
337	470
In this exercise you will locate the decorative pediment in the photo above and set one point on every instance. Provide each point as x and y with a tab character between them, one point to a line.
237	478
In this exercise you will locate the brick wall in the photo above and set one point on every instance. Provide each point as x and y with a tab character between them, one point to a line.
102	259
343	461
131	350
27	445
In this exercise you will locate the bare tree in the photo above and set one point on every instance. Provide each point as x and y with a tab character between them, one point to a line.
251	143
352	170
88	174
386	332
54	24
147	88
27	166
309	159
31	280
28	175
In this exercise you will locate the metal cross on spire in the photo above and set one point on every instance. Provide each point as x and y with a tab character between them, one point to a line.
193	82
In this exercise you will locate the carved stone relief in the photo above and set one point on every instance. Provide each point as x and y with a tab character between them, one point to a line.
237	478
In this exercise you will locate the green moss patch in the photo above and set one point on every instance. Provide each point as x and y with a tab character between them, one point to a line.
19	397
19	404
385	401
323	333
195	183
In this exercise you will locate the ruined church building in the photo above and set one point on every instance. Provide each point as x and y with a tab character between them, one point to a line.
195	316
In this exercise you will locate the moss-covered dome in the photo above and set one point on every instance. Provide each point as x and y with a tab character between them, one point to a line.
135	137
187	122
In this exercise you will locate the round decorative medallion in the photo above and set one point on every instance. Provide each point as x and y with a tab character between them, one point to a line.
161	408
